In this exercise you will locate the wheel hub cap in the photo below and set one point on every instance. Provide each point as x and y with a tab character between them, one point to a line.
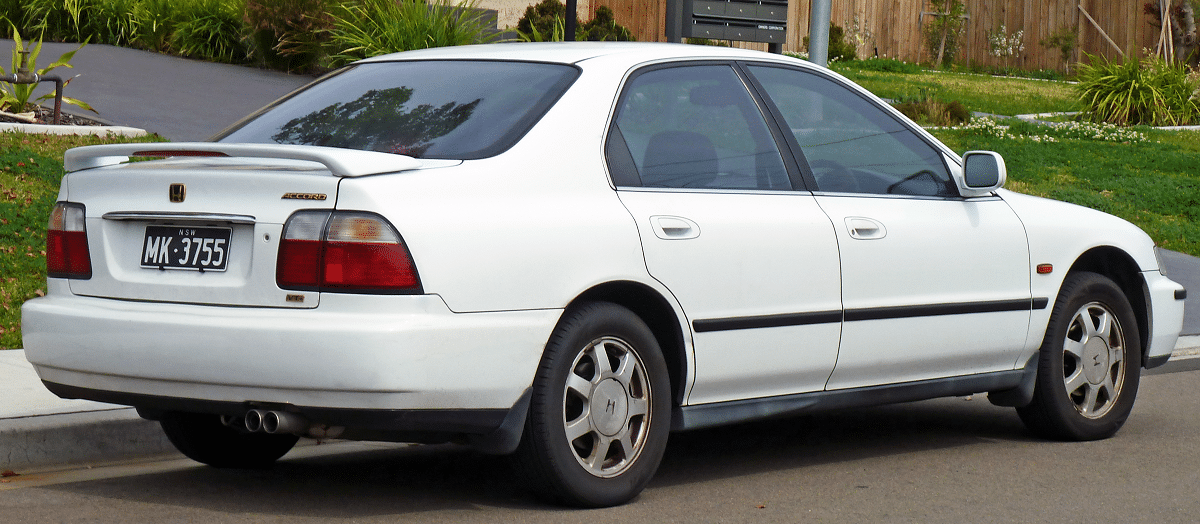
606	407
1095	360
609	407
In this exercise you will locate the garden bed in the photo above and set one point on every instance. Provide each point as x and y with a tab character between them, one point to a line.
42	122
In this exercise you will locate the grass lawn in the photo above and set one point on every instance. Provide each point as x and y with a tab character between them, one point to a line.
30	171
988	94
1154	184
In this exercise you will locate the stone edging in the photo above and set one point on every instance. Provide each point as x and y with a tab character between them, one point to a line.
44	129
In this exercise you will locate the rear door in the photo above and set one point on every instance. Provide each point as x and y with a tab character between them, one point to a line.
753	263
933	285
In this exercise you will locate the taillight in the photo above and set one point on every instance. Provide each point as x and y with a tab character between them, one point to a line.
67	244
347	251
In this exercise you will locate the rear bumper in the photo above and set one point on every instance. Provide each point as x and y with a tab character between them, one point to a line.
399	358
445	421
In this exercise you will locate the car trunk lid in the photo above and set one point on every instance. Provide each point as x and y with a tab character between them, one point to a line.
204	226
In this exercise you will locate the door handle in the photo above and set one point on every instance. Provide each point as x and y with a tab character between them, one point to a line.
863	228
674	228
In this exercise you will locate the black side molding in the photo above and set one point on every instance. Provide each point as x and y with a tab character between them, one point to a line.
765	321
881	313
934	310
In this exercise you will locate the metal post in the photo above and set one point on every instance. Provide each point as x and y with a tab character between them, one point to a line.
818	32
569	31
674	23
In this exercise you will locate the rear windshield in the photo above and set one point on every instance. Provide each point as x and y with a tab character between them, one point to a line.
425	109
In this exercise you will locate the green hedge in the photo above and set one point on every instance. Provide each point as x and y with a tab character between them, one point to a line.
305	36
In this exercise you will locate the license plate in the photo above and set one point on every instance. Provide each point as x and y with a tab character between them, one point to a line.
194	248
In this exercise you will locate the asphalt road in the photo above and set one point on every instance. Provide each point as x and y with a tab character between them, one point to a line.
949	460
180	99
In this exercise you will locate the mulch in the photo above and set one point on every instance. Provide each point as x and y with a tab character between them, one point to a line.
46	116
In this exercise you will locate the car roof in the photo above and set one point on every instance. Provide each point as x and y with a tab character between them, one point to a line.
575	52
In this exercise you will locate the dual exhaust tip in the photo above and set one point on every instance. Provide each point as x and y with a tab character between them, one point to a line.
272	422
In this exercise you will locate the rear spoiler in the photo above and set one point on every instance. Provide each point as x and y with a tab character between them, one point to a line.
341	162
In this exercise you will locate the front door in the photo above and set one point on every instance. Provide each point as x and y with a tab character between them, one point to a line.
933	285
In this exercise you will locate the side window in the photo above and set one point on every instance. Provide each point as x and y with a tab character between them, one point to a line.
853	146
693	127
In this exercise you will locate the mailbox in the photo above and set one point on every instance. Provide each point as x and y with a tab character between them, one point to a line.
745	21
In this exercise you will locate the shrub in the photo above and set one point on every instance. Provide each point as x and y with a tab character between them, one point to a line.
705	41
210	30
114	22
546	21
839	49
155	24
11	14
603	27
1138	91
1065	41
542	19
926	109
58	20
883	65
289	35
375	27
94	21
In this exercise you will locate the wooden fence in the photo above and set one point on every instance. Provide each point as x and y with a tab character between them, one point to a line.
894	27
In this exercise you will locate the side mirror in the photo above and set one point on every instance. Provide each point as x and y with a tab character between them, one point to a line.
983	172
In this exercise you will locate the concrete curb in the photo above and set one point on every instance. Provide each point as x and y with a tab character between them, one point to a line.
1187	347
45	129
79	438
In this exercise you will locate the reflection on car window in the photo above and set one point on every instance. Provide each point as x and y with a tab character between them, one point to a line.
419	109
695	127
379	118
851	145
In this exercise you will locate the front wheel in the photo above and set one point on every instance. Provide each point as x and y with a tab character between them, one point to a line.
1090	363
599	416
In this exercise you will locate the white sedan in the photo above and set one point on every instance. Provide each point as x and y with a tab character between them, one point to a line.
565	252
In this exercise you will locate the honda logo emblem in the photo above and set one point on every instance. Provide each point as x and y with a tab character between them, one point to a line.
178	192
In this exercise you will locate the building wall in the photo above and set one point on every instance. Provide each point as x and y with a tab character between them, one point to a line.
508	12
895	26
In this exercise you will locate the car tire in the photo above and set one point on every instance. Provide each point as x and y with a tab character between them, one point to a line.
205	439
599	415
1090	363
